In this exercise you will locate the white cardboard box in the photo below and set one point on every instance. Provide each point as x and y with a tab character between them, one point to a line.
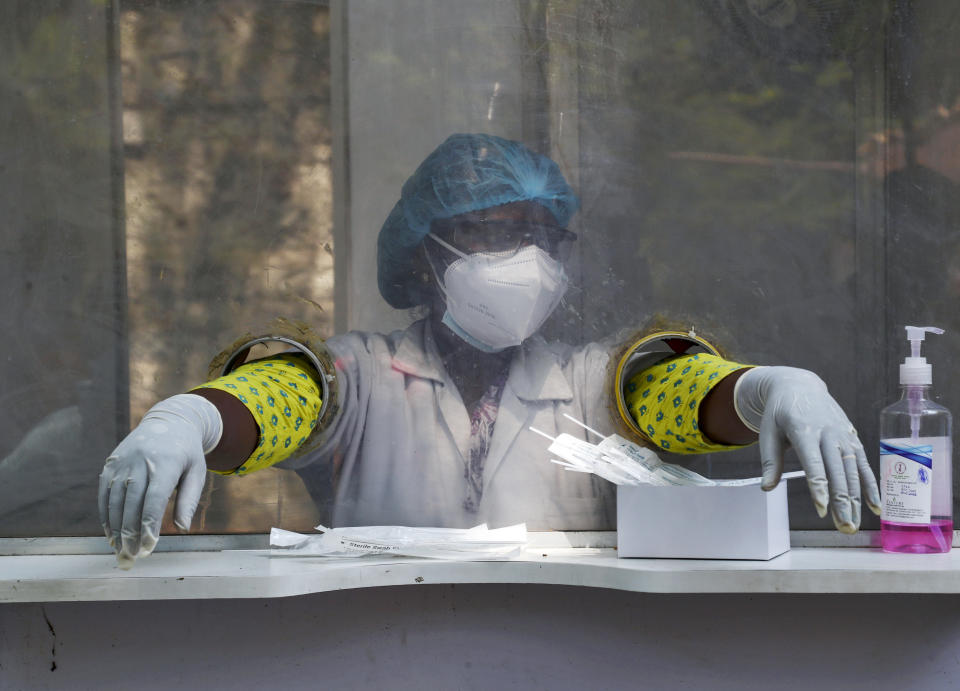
702	522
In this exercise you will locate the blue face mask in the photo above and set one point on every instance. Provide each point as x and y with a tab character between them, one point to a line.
449	322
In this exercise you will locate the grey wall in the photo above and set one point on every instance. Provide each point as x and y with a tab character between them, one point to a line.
479	637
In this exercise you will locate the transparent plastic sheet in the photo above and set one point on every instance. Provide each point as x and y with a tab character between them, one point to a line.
756	171
477	543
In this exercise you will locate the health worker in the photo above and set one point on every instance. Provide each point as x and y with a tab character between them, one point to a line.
432	421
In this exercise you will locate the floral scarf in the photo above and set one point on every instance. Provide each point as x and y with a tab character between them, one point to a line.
482	419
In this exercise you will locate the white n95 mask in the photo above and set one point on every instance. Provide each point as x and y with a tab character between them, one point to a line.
497	300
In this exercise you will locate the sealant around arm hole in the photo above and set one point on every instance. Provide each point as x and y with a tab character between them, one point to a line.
302	337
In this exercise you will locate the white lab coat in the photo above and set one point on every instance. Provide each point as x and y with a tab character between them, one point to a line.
401	438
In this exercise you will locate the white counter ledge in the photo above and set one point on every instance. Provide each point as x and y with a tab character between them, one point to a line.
255	574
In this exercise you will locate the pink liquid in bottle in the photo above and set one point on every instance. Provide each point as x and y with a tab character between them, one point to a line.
917	539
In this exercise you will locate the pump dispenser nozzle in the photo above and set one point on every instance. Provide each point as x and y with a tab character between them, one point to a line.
915	371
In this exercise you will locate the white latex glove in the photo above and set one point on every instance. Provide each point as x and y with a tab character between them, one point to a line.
792	406
164	452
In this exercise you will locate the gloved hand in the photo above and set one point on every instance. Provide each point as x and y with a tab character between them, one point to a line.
792	406
165	451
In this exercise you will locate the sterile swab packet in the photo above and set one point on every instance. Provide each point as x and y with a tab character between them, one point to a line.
670	473
677	474
623	462
583	454
637	472
757	480
477	543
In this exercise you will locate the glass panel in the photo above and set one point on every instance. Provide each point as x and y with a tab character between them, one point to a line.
714	151
921	144
63	377
778	175
718	167
226	112
227	198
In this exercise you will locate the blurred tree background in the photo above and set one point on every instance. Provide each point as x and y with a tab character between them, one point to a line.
63	368
131	263
229	202
749	148
226	132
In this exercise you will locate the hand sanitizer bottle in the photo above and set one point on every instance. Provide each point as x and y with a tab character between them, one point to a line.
915	461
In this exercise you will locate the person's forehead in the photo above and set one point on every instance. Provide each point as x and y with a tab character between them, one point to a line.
530	212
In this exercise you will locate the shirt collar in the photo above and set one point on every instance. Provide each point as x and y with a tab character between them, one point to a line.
417	353
536	373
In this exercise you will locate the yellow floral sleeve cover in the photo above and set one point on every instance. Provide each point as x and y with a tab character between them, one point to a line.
284	400
665	400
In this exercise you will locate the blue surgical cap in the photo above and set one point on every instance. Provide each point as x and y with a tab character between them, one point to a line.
468	172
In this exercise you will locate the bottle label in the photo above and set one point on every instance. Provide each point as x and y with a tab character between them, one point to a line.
906	477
